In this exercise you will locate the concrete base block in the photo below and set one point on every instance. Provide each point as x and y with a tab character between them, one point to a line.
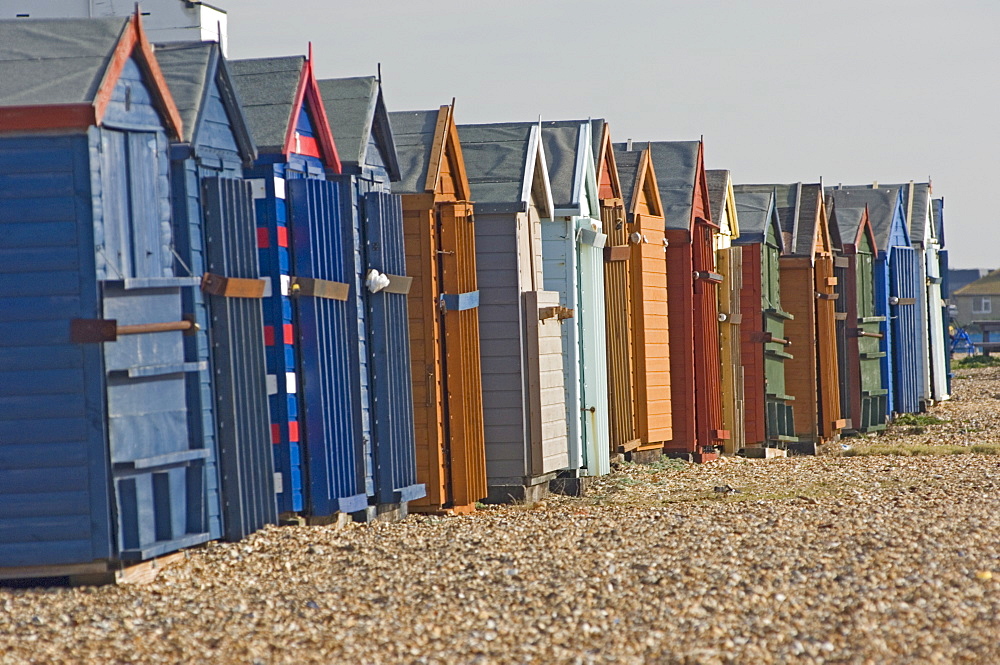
571	486
498	494
759	452
339	520
382	512
802	448
646	456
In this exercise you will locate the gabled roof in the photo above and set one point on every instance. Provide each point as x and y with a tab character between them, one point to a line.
634	167
799	207
756	211
604	155
422	139
502	161
357	112
273	91
984	286
885	206
677	164
849	222
721	194
937	210
61	73
569	155
189	68
915	198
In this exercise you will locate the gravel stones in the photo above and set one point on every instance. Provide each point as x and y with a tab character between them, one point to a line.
815	560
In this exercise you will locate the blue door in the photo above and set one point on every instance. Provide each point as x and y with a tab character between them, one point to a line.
389	339
246	461
157	469
903	303
325	314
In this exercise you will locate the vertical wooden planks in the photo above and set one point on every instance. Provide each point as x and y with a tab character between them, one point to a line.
801	380
546	398
618	298
466	445
829	417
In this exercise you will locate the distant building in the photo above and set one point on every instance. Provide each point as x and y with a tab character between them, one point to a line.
978	300
958	278
164	20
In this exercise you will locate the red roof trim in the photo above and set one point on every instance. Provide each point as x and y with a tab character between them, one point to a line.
308	93
33	118
133	41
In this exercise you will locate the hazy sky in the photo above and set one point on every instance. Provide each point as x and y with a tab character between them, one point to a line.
783	91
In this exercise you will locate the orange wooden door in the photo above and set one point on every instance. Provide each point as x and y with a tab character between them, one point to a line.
708	370
826	340
798	298
420	235
652	332
459	300
618	295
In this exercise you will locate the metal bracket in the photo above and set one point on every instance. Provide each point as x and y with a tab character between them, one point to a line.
459	302
398	284
617	253
320	288
232	287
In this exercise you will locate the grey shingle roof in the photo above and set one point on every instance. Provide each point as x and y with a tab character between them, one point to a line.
845	220
414	135
495	160
717	179
350	107
676	166
937	208
755	210
882	204
596	132
267	87
55	61
786	202
628	174
561	140
185	68
188	68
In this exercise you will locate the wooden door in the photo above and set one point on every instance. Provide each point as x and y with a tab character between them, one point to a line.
826	342
546	396
459	339
904	316
780	415
157	466
618	296
246	461
873	395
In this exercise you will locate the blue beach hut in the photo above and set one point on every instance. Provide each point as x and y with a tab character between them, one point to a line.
372	218
99	464
897	292
216	238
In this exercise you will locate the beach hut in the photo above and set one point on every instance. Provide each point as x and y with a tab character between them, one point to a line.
770	418
373	217
443	306
573	244
623	424
99	467
310	319
808	293
897	290
937	212
926	243
728	260
215	236
692	283
862	396
645	232
521	323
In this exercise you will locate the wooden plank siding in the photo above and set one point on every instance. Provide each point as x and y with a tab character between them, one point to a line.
444	342
752	356
798	299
